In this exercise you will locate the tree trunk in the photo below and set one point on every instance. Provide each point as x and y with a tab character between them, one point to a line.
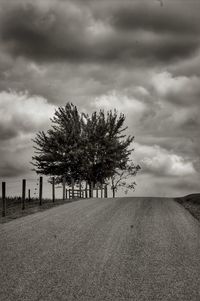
113	191
91	185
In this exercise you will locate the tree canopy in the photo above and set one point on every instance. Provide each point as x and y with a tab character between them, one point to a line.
81	146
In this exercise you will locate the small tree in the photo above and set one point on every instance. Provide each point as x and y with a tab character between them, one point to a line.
123	178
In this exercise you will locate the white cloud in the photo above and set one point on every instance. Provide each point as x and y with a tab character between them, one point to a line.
122	103
23	113
143	91
160	161
164	83
180	90
39	70
21	116
99	29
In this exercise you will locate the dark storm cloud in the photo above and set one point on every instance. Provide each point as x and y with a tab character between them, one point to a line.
136	56
8	169
30	32
151	17
7	133
73	32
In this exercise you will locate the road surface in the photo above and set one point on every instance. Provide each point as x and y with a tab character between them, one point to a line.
102	249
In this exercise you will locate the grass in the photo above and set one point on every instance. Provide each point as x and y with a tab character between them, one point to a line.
191	203
14	207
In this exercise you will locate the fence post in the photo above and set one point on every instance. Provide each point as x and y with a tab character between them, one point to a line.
91	189
97	194
106	191
64	184
53	189
66	193
40	190
23	193
86	193
80	189
4	199
29	195
101	191
72	188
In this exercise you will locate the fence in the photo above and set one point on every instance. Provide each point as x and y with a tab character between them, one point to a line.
68	194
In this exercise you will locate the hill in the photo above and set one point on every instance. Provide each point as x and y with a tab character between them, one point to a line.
191	202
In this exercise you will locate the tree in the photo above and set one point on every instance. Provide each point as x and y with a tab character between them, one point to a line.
106	147
124	178
91	148
58	152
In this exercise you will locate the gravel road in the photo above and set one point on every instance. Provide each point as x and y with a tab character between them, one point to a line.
102	249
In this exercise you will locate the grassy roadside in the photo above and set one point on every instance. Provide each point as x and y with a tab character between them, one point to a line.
191	203
14	208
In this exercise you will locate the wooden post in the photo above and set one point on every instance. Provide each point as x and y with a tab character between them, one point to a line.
97	194
29	195
86	193
80	189
72	188
66	193
23	193
105	191
4	199
53	189
64	184
40	190
101	191
91	189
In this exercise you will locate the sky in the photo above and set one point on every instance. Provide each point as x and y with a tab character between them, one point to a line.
141	57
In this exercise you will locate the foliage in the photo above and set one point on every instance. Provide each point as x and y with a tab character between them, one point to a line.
82	147
58	152
105	145
123	178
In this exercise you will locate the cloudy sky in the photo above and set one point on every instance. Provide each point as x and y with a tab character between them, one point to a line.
141	57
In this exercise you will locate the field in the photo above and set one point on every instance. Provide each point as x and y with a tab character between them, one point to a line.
14	207
191	203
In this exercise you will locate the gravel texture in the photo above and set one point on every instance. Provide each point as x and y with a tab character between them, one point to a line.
102	249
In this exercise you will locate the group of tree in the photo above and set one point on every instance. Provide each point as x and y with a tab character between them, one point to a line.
83	147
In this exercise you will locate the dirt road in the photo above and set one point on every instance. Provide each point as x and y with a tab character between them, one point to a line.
102	249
